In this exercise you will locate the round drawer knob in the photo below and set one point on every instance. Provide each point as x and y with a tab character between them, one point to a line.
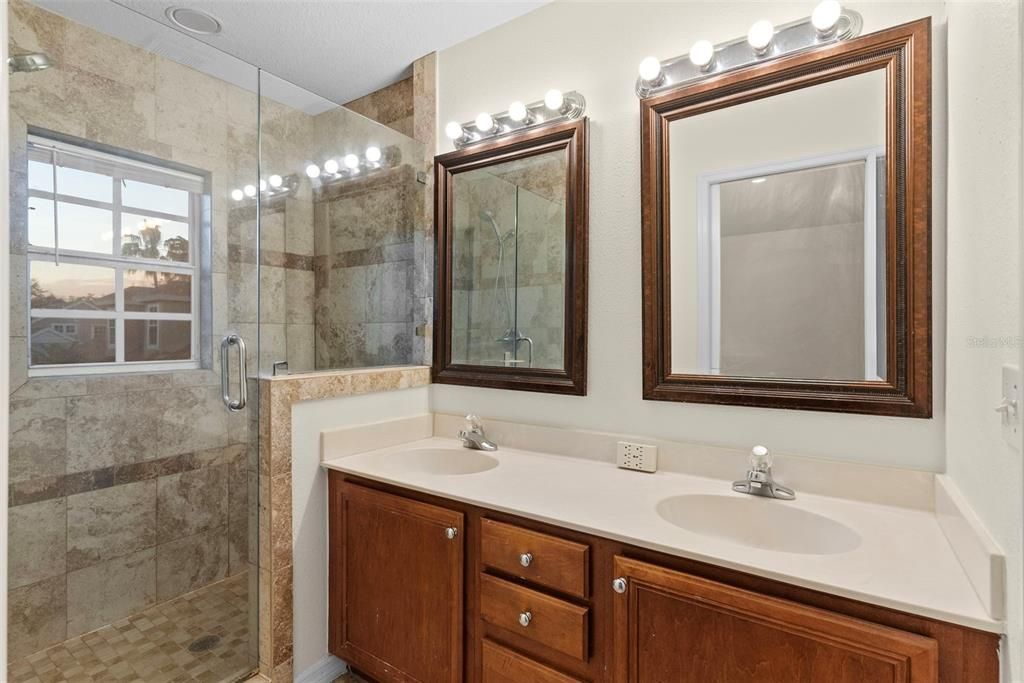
451	532
525	618
526	559
619	585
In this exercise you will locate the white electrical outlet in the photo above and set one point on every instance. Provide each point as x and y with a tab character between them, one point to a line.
1010	406
637	456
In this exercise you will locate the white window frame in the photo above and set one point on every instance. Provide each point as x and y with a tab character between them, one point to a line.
119	168
709	250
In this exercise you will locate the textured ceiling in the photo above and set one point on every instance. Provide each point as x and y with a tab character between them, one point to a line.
338	49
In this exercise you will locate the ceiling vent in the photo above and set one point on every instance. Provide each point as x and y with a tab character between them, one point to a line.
193	20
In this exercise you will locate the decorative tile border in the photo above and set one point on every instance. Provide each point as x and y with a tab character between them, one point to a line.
48	488
277	395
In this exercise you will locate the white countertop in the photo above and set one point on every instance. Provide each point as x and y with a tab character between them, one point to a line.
903	562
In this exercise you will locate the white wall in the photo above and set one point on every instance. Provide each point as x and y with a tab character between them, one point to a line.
595	48
984	285
309	506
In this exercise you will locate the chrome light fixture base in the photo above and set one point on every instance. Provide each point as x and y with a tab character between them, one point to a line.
537	114
792	38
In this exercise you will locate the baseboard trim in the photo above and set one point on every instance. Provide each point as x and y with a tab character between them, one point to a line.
325	670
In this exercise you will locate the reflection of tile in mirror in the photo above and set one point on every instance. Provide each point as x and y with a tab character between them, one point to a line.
509	263
777	250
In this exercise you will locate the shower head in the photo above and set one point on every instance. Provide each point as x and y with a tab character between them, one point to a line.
488	215
28	62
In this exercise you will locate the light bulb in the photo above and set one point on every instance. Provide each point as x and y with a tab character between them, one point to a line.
263	185
453	130
373	154
331	166
650	68
553	99
313	171
826	15
517	111
276	180
250	190
237	195
760	35
351	161
702	53
758	181
484	122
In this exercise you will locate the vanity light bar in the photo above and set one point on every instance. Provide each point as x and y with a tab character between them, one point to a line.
272	187
830	23
351	165
330	170
556	106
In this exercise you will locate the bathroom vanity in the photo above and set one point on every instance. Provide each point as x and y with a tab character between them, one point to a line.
427	584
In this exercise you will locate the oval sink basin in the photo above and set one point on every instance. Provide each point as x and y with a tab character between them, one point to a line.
759	523
442	461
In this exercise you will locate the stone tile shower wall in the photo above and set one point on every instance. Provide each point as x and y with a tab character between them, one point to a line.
126	490
391	105
364	270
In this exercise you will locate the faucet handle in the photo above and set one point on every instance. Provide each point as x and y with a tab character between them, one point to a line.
760	459
474	424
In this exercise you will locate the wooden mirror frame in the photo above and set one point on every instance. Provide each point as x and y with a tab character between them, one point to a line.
570	137
904	53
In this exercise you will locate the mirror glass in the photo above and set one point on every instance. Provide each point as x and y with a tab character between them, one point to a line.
777	217
509	263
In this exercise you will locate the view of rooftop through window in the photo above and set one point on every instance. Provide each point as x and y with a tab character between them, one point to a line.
112	262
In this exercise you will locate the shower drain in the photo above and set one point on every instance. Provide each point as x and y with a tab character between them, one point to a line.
204	644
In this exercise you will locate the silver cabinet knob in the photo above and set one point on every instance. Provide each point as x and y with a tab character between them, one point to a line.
525	618
619	585
526	559
451	532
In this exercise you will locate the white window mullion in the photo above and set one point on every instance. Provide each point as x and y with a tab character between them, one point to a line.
119	308
89	259
116	216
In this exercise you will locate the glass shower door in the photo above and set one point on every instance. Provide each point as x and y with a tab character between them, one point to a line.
133	488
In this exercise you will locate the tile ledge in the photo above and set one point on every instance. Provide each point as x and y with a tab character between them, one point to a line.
346	372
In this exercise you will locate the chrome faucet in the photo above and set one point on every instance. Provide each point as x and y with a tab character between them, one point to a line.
759	481
473	435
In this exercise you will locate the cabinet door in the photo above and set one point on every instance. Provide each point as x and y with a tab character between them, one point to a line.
395	585
672	627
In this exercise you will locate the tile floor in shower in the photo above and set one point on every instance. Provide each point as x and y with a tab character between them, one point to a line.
153	646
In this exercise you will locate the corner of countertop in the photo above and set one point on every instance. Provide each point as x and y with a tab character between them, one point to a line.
982	559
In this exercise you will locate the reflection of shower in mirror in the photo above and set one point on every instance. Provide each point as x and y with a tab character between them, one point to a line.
512	337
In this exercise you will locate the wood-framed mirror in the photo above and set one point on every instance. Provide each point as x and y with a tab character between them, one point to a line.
787	231
510	300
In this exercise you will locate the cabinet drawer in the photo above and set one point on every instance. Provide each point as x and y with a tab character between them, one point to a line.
547	560
505	666
554	623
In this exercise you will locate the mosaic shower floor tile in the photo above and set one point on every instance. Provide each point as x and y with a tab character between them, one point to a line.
202	636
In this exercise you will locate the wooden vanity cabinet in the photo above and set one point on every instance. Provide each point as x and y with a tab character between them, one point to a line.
396	585
409	604
671	626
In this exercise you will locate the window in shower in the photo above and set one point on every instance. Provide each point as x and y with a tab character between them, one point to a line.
113	264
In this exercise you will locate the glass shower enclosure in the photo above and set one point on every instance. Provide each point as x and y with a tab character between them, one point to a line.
175	236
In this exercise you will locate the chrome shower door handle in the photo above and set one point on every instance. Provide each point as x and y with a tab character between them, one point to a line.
233	405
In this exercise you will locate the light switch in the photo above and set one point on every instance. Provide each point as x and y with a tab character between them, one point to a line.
1009	406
